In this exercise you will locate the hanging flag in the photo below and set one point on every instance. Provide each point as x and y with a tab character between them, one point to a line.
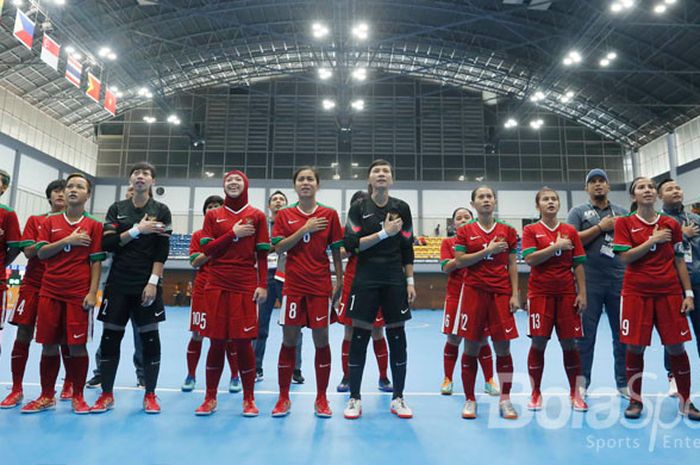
24	29
74	71
93	88
50	49
110	101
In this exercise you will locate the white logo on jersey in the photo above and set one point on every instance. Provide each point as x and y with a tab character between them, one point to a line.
55	230
292	221
474	237
220	220
321	318
364	217
577	328
121	217
509	330
249	329
634	230
159	313
324	366
540	235
683	333
404	311
78	336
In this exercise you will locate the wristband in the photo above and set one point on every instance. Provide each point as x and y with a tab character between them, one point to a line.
690	293
382	234
134	232
154	279
410	281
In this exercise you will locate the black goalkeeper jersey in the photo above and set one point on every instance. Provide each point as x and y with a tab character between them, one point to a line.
382	263
133	262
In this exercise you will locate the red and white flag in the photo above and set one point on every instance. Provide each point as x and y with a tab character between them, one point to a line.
24	29
110	101
50	49
74	71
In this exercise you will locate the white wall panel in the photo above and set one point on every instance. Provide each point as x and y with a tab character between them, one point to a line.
7	159
103	197
176	198
29	203
35	175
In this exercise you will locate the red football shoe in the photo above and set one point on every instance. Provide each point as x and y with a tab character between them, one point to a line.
80	407
282	407
249	408
104	402
66	391
322	409
41	404
208	407
13	399
577	403
150	403
535	403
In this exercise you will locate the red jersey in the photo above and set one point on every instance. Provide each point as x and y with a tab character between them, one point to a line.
655	273
235	269
9	237
67	274
307	270
554	276
491	273
455	278
35	267
202	274
349	275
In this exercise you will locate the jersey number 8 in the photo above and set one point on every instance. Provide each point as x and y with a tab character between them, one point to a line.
292	310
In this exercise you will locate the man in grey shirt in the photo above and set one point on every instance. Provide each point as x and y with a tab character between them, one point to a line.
595	221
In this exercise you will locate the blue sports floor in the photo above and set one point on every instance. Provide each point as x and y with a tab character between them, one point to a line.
437	434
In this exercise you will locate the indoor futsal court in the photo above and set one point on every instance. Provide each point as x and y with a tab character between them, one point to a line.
331	231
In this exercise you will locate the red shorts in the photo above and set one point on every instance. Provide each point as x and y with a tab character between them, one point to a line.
25	309
342	313
554	311
198	315
452	313
639	315
312	311
230	315
61	322
480	310
3	304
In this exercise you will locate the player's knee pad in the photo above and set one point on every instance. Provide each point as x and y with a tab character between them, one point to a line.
110	343
151	345
396	338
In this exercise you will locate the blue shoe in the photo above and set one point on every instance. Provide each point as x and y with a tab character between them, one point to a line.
344	385
235	385
188	385
385	385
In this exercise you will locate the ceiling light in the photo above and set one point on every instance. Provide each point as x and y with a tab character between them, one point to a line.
510	123
17	2
536	123
104	51
149	119
361	31
604	62
570	94
358	105
328	104
209	174
354	164
70	49
627	3
59	2
568	61
111	56
660	9
611	55
336	177
537	96
669	2
318	30
359	74
173	119
461	177
324	73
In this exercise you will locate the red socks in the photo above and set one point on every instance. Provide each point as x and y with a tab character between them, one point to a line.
469	367
285	369
194	351
48	368
572	366
246	359
20	354
382	354
535	367
345	358
78	371
634	364
486	361
449	359
215	366
504	368
322	363
232	358
681	371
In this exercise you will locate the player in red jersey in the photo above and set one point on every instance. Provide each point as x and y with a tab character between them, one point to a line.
236	239
552	250
10	240
487	247
381	351
23	315
455	281
656	279
69	243
198	315
305	230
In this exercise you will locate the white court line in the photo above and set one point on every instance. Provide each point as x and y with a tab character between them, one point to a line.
596	395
